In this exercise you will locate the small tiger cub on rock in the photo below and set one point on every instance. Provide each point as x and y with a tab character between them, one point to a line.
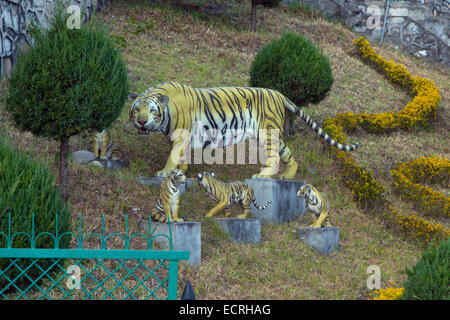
169	198
317	204
227	194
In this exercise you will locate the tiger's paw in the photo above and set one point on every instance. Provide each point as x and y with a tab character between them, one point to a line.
242	216
258	175
177	220
209	214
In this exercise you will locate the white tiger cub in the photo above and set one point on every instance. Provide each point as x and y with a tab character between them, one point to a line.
317	204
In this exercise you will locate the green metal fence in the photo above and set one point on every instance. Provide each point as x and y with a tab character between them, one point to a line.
56	273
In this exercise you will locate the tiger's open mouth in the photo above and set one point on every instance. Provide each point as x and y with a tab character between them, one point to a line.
143	132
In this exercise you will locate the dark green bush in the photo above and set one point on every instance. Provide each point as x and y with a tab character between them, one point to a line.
26	187
429	278
68	81
293	66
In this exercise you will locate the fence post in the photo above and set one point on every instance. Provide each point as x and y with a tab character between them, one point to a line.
173	279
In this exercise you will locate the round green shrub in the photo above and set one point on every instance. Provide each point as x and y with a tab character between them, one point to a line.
293	66
27	187
429	278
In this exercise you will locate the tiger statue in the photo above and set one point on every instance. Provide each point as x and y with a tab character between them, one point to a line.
169	198
174	109
317	204
227	194
102	145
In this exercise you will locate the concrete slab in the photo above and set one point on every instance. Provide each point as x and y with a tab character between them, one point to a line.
285	206
186	236
241	230
325	240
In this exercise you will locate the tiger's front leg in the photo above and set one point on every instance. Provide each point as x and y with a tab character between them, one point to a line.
318	223
217	209
174	211
179	148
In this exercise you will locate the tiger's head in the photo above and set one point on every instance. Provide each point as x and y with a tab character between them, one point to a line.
309	193
304	191
177	177
149	113
205	178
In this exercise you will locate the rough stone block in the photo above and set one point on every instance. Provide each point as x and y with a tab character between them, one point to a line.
285	206
87	157
325	240
157	181
83	156
186	236
241	230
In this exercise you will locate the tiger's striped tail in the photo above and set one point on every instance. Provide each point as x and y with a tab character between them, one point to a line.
292	107
260	207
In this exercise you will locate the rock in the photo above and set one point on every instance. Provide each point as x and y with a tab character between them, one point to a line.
112	164
87	157
325	240
83	156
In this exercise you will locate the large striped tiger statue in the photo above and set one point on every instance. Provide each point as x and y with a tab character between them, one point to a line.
173	109
169	198
227	194
317	204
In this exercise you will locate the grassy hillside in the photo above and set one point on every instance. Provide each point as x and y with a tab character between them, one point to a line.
163	43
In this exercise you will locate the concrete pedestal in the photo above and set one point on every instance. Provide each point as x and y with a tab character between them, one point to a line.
325	240
157	181
186	236
285	206
241	230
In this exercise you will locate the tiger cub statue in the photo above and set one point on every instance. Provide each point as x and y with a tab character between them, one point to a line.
227	194
317	204
102	145
169	198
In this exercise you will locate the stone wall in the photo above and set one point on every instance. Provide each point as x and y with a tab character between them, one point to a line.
420	27
14	18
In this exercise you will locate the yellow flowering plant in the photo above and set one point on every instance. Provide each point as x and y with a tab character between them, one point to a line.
409	176
389	293
418	112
